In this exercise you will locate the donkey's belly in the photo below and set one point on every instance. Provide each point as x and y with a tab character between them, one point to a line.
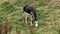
26	13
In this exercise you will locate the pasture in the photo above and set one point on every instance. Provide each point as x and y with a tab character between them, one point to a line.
48	12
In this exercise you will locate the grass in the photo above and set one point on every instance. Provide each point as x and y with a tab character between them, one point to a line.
48	17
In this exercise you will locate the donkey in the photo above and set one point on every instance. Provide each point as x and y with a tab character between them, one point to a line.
30	10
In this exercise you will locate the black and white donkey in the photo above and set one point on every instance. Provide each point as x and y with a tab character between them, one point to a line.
30	10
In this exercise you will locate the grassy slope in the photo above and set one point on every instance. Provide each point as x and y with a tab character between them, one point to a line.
49	18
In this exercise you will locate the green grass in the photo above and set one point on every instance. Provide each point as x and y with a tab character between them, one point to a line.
45	12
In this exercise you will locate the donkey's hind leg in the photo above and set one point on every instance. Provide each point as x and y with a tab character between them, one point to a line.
25	17
31	20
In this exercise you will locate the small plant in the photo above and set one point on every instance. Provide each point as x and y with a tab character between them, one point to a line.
6	28
32	29
5	4
9	29
18	30
0	28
